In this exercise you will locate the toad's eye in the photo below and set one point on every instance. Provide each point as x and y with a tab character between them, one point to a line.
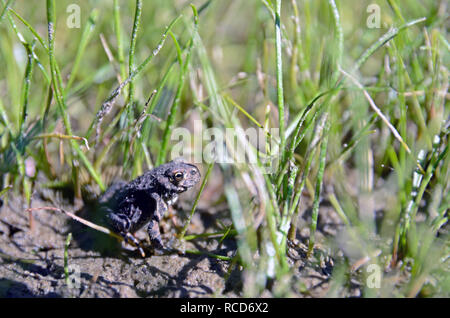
179	176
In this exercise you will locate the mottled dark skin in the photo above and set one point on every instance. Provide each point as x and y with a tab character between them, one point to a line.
144	200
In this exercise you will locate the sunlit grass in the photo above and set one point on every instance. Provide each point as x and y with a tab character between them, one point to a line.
362	115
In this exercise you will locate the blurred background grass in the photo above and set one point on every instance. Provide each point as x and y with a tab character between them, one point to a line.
394	206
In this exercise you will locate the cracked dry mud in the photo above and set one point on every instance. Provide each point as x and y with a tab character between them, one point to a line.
32	262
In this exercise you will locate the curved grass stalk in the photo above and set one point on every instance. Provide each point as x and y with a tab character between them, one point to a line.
131	64
109	102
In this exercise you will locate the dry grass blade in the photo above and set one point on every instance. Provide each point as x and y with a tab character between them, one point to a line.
87	223
378	111
62	136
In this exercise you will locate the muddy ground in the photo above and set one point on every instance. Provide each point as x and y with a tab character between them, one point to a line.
32	261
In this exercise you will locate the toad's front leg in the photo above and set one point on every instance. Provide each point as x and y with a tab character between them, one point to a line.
153	227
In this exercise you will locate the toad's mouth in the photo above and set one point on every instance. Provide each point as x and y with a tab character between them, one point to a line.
182	189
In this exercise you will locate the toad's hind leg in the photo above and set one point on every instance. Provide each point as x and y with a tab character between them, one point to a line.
129	238
121	224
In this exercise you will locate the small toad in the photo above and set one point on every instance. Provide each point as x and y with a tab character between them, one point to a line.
144	200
